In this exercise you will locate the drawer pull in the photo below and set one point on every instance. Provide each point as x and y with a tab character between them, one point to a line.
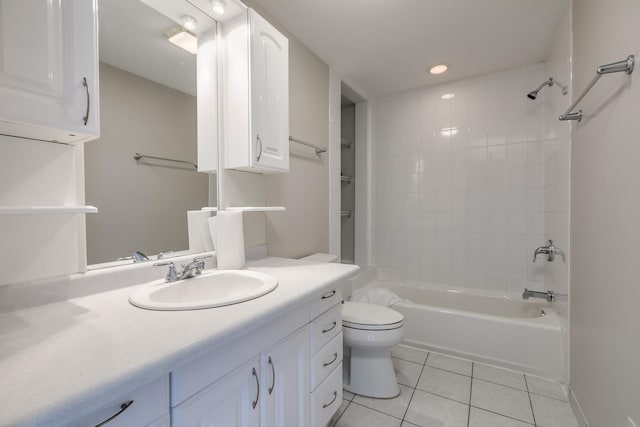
255	402
324	331
123	408
335	396
329	294
335	357
273	376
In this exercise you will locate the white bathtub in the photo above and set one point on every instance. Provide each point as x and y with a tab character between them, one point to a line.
510	332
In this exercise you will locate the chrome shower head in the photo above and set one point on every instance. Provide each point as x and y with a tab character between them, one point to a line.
534	93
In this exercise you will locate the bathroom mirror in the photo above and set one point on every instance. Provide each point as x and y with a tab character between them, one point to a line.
148	105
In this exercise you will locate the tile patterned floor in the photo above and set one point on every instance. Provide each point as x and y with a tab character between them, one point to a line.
442	391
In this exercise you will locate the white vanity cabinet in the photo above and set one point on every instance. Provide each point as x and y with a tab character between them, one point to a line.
48	70
256	95
285	380
147	406
277	384
232	401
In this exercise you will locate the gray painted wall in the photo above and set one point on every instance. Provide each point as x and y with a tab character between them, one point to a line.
605	208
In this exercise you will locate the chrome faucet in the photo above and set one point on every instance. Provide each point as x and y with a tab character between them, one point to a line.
136	257
194	268
550	251
548	295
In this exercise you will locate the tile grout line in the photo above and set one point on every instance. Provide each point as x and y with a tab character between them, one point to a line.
470	392
530	402
343	412
502	415
414	389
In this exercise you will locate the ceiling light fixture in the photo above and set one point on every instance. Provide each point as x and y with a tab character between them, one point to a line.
438	69
448	96
189	22
184	40
449	131
219	7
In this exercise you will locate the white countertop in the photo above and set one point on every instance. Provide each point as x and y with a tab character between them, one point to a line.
59	360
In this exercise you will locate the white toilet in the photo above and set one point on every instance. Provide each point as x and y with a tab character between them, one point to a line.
369	333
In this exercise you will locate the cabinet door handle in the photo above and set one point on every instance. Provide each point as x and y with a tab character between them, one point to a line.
324	331
123	408
85	118
255	402
273	376
335	357
258	144
335	396
329	294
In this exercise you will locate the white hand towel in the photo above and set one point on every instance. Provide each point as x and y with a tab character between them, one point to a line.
228	235
198	229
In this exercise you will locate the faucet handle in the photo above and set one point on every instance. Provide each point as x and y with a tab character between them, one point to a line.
163	253
172	275
201	257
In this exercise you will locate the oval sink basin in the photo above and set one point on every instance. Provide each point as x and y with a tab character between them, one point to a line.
211	289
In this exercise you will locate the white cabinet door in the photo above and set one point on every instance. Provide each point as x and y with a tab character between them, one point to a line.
232	401
48	50
255	95
269	94
285	380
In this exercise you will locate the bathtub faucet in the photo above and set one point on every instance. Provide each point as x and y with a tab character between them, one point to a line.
548	295
550	251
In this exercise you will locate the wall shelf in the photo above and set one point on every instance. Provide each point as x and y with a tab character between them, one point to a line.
248	208
345	143
44	210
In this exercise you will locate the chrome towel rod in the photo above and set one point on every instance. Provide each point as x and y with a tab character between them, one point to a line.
138	156
615	67
319	150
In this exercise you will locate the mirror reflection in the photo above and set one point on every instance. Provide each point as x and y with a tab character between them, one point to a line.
148	106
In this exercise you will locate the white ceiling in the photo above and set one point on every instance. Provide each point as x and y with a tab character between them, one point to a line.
132	38
384	46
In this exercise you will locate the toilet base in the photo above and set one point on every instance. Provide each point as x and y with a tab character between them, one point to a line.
371	373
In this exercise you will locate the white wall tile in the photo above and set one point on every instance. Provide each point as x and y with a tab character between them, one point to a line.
468	209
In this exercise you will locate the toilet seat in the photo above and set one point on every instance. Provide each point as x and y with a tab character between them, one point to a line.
370	317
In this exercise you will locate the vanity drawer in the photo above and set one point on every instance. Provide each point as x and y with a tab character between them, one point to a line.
325	327
149	404
326	360
327	398
326	300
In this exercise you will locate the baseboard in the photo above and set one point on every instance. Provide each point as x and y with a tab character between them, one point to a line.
577	410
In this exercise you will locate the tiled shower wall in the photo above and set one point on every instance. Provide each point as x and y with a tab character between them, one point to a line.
456	185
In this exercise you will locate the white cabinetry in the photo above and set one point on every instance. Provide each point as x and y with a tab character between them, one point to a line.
256	95
274	387
48	70
146	406
285	379
230	402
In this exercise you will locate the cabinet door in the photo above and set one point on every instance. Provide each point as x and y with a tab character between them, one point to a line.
285	379
48	50
269	95
232	401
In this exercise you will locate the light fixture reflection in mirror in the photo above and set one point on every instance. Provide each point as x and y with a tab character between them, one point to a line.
149	105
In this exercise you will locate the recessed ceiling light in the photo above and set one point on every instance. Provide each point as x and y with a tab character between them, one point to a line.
449	131
189	22
219	7
448	96
438	69
184	40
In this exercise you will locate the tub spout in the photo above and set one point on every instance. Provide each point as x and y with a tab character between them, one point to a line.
548	295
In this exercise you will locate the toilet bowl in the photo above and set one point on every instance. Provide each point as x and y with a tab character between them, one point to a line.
369	333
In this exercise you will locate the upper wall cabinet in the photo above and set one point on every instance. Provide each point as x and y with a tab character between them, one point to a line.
256	95
48	70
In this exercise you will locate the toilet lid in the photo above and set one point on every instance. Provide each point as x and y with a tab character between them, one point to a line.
370	316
